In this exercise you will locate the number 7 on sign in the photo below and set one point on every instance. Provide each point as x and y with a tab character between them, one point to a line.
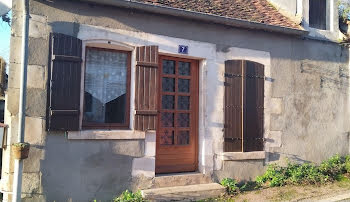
183	49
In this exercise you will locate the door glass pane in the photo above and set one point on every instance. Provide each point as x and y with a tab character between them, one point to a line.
168	101
185	68
168	84
167	137
105	86
183	102
184	85
168	67
183	120
183	138
167	119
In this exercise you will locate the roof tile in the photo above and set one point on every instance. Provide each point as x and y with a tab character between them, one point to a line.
259	11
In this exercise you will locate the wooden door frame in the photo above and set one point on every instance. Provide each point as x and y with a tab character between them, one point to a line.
195	109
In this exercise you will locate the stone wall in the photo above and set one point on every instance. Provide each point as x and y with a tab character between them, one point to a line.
306	118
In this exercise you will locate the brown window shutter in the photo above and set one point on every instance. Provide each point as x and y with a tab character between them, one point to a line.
233	106
244	106
146	88
253	107
64	83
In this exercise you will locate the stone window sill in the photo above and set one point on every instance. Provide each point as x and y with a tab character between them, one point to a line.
106	135
239	156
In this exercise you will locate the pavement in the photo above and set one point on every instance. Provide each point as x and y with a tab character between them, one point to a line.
345	196
342	197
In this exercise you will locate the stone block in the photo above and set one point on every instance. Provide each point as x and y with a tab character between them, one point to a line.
150	144
31	183
143	166
12	101
17	5
15	51
33	162
38	51
36	76
134	148
274	139
12	131
6	161
36	102
38	26
34	131
277	122
16	23
141	182
6	182
33	198
64	27
276	105
240	168
14	75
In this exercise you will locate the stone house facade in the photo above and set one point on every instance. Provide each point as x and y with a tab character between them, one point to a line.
122	91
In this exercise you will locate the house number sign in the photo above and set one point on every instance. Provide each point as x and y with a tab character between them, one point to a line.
183	49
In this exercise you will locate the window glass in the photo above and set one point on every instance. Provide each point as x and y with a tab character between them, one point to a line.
105	86
318	14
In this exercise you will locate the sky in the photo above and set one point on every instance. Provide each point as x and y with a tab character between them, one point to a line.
5	33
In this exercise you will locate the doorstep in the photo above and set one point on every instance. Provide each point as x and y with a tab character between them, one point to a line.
180	179
184	193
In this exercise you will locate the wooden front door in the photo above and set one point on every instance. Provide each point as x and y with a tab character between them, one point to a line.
177	131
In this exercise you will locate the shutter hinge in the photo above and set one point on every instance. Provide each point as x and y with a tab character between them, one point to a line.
147	112
255	76
228	75
147	64
232	139
233	106
64	112
254	139
66	58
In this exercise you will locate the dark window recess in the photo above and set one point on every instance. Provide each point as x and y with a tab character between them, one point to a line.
318	14
106	79
244	106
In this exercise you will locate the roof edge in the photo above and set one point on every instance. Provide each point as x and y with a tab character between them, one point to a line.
199	16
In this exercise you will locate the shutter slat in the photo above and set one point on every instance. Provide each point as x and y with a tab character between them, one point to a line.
146	88
65	77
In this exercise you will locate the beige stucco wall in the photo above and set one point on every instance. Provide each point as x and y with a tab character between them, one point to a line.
307	104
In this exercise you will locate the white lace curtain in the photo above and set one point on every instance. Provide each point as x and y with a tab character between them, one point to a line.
105	74
105	79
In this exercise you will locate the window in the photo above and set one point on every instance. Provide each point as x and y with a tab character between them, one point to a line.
244	106
318	14
106	91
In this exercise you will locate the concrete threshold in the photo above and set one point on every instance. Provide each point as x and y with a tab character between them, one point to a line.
180	179
184	193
